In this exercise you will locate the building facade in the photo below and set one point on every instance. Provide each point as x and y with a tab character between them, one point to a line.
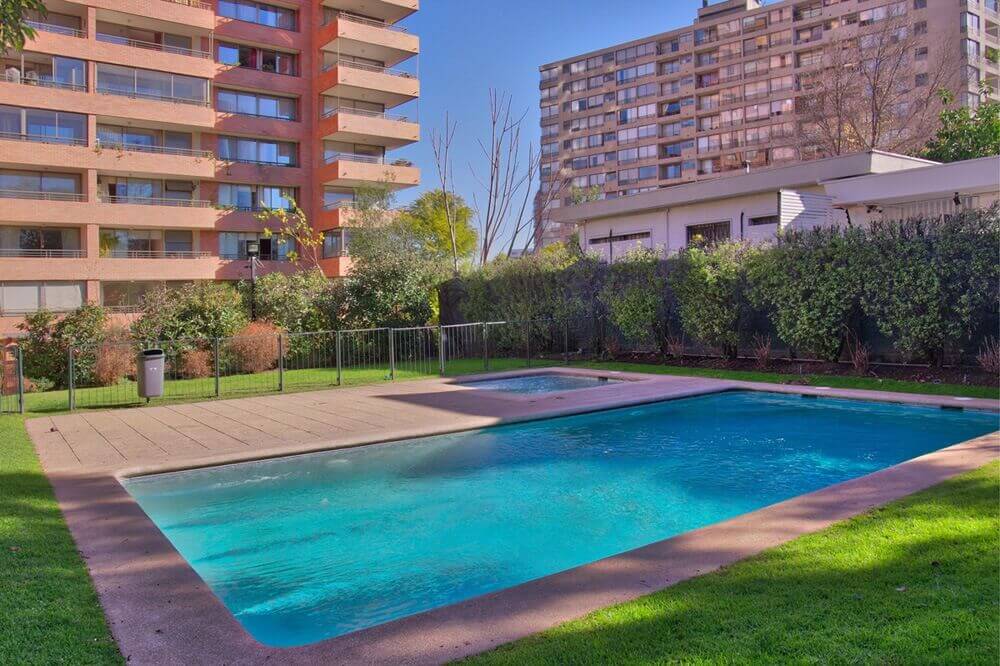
139	139
849	189
718	97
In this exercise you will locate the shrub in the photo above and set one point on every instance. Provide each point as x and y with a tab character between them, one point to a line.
196	364
633	295
48	341
989	356
929	283
255	347
762	351
115	357
711	286
810	285
302	301
195	311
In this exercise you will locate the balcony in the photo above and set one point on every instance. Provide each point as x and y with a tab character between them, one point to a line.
355	36
41	196
152	46
192	13
336	214
137	94
155	201
390	11
41	26
368	127
36	81
368	83
349	170
20	253
155	254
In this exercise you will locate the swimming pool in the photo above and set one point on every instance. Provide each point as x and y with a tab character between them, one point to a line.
540	383
310	547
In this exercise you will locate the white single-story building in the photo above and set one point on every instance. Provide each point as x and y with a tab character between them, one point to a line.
839	190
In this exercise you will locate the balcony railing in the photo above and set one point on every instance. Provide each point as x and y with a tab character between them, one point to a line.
364	112
134	94
197	4
368	68
41	196
155	254
263	256
353	157
344	16
16	252
339	205
237	160
161	150
43	138
57	29
32	79
155	201
152	46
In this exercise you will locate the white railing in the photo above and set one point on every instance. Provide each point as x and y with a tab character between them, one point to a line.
155	201
353	157
43	138
364	112
152	46
162	150
43	196
57	29
368	68
155	254
353	18
41	253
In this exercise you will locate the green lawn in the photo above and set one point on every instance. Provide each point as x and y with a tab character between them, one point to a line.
913	583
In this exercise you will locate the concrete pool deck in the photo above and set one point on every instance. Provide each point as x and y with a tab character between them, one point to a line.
161	612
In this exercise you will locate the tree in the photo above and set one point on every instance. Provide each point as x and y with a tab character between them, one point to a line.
441	144
864	95
966	134
443	222
14	29
290	225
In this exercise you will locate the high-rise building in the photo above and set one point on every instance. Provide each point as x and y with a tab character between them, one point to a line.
721	96
139	139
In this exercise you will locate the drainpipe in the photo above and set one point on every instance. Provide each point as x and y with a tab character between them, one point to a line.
742	217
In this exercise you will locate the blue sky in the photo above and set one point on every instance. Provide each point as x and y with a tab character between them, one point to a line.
468	46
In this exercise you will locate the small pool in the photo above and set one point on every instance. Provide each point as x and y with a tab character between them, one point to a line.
310	547
540	383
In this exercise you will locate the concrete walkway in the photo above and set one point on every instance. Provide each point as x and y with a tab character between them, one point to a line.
161	612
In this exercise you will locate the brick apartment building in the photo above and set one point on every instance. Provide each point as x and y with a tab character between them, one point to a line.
718	97
139	138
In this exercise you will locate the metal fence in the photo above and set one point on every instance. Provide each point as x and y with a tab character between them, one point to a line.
105	374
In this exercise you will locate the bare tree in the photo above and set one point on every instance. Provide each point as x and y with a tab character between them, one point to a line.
441	144
864	95
550	190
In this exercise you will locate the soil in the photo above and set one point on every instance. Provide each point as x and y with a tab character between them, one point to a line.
965	375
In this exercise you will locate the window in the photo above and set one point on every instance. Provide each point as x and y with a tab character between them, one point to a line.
626	116
257	12
257	151
763	220
28	297
920	80
40	184
144	83
336	243
41	125
252	57
632	73
635	52
254	104
39	241
633	134
233	245
708	234
41	69
876	14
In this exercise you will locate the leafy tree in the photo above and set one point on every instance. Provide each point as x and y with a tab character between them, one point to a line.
197	311
966	134
711	288
810	285
14	30
291	226
929	283
427	218
301	302
49	339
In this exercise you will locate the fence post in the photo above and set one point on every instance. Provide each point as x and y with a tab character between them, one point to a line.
69	371
527	340
566	342
218	368
441	352
392	354
486	346
281	362
340	377
19	359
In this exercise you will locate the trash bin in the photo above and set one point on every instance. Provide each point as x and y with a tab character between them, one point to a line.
150	373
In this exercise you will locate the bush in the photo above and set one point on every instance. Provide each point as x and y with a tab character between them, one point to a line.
633	296
196	364
930	283
115	357
989	356
254	348
711	286
48	341
197	311
810	284
301	302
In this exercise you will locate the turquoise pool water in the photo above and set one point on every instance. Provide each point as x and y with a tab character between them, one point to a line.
309	547
541	383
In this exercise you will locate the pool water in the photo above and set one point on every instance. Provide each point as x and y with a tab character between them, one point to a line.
310	547
541	383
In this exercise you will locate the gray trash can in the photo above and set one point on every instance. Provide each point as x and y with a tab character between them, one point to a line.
150	373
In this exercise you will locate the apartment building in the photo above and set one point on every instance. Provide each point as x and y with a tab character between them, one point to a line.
718	97
139	139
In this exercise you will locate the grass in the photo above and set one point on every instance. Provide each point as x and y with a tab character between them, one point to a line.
912	583
831	597
49	612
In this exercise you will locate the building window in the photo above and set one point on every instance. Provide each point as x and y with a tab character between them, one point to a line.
763	220
257	151
257	12
336	243
252	57
256	197
26	297
149	84
708	234
233	245
253	104
42	126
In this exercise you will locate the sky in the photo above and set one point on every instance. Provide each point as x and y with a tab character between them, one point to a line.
469	46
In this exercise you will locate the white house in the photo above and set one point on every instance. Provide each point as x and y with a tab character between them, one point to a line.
839	190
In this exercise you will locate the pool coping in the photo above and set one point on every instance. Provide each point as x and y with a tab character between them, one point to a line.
161	612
